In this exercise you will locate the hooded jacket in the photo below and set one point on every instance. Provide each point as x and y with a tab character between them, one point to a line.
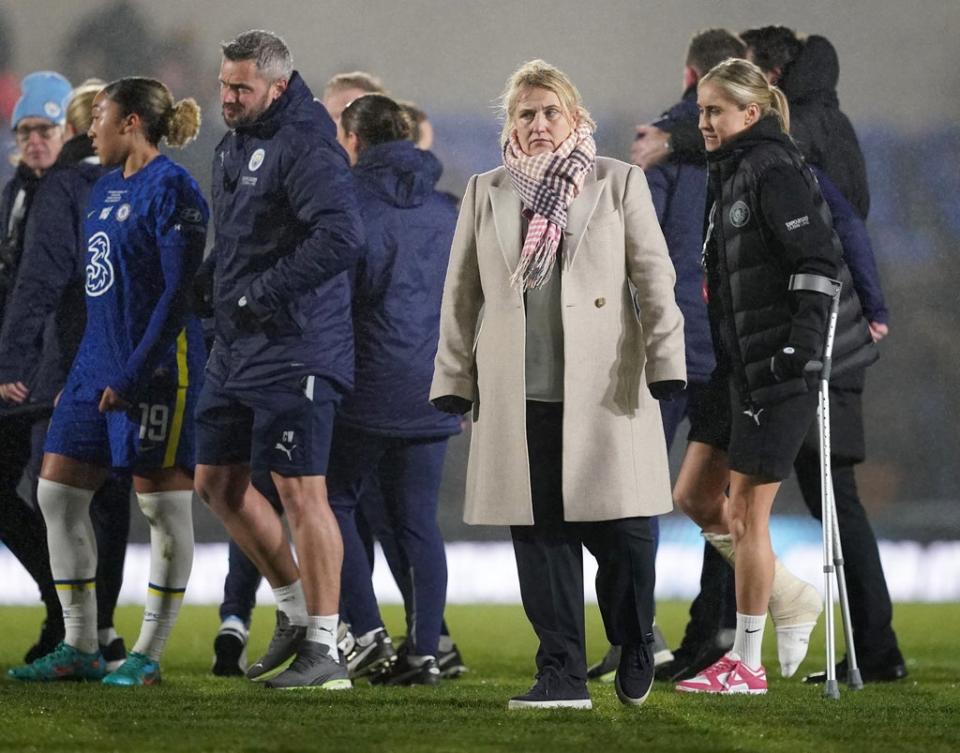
287	232
399	284
824	134
768	221
45	315
678	188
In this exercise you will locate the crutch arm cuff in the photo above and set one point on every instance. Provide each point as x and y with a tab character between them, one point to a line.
814	284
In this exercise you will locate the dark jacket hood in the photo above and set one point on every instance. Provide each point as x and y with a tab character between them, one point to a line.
683	112
296	105
814	74
76	150
398	173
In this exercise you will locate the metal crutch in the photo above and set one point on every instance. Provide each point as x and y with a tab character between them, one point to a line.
832	550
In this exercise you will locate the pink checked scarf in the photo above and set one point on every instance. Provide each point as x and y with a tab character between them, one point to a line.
547	184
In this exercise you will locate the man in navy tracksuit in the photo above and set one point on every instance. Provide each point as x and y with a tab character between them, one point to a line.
287	233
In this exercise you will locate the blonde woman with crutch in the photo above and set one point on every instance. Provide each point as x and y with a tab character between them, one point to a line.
767	223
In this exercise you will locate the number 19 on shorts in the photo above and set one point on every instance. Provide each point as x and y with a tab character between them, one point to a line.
154	422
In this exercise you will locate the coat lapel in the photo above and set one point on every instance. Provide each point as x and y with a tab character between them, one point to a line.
578	216
506	217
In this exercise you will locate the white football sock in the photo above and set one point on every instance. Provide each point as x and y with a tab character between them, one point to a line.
170	515
749	639
73	559
323	629
291	601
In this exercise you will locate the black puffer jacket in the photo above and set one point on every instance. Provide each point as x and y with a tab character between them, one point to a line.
768	221
824	134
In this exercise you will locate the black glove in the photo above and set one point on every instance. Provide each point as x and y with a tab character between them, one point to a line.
243	317
795	363
452	404
667	389
201	290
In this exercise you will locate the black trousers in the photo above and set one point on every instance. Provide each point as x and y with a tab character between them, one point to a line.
870	609
550	561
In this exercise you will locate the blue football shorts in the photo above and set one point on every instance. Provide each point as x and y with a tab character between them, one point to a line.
284	427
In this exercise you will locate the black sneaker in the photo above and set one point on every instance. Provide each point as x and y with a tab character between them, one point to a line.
284	644
114	653
605	669
449	661
409	671
888	668
313	667
376	656
691	659
553	691
230	649
51	633
634	674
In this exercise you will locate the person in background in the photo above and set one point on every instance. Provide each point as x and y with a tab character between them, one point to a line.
343	88
567	443
129	398
386	428
38	127
678	187
42	327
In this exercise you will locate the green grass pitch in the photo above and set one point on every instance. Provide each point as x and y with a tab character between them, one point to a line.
194	711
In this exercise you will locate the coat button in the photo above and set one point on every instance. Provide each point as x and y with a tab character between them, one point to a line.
600	302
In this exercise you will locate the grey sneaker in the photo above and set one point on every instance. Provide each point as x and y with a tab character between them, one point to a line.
376	656
661	650
283	645
313	668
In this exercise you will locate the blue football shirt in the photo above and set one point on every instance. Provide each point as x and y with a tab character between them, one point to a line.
145	237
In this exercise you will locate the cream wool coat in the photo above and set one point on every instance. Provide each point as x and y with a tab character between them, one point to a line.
614	453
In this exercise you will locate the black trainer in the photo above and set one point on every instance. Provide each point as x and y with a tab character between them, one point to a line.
691	659
313	667
553	691
51	633
888	668
283	645
409	671
230	650
114	653
634	674
449	660
376	656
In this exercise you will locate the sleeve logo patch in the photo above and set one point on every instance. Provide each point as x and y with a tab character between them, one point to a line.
798	223
739	214
256	159
191	216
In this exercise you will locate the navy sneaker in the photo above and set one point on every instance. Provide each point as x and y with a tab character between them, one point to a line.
634	674
553	691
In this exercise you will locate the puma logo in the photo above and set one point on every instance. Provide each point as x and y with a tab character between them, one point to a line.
288	450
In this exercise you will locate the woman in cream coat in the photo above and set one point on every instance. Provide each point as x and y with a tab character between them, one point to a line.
558	313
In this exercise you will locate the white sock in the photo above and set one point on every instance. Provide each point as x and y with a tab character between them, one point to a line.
291	601
749	639
73	559
367	638
323	629
170	515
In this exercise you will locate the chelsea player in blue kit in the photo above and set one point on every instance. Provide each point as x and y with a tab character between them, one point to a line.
128	402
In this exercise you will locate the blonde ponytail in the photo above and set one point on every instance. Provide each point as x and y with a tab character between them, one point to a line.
184	123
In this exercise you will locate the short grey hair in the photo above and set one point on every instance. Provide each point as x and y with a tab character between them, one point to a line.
270	52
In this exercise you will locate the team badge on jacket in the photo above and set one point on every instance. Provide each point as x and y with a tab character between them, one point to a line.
256	159
739	214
